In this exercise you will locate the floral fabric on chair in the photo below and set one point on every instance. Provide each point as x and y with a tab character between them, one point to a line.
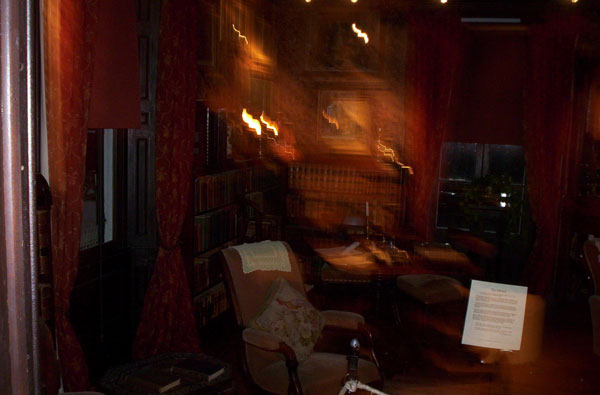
286	313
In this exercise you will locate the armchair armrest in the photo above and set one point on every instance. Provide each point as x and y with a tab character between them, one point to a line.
269	342
347	321
343	319
261	339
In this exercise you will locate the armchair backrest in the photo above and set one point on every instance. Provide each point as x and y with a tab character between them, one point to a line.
248	290
591	256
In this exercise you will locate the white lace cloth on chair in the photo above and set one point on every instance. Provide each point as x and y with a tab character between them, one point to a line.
266	255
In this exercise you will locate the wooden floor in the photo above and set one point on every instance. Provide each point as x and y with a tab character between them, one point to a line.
418	359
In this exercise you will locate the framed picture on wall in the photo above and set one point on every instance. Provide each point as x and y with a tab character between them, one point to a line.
344	121
343	43
234	21
259	94
262	46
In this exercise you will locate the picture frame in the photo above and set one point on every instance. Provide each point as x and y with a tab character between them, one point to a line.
262	44
344	121
334	46
260	90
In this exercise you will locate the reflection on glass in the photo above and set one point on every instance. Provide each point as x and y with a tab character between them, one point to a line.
347	119
458	161
506	160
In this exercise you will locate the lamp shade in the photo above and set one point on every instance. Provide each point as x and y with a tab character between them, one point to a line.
115	90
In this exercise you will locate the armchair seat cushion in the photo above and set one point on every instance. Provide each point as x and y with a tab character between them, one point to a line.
320	373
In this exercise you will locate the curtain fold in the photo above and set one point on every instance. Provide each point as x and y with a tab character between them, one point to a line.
434	68
548	115
69	28
167	323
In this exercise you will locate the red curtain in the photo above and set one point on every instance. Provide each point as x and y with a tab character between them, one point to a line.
68	33
167	322
115	97
434	66
548	113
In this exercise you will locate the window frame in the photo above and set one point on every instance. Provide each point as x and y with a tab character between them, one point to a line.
481	170
118	243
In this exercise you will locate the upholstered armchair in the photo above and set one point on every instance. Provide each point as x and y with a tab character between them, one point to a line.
257	281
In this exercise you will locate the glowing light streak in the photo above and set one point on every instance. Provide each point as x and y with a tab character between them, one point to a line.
445	1
389	152
360	34
269	123
331	120
354	1
239	33
288	149
252	123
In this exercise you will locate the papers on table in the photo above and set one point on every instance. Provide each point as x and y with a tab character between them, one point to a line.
353	254
346	255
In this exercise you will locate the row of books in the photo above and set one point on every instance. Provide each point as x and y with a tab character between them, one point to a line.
212	136
271	228
216	190
317	177
211	303
215	228
207	269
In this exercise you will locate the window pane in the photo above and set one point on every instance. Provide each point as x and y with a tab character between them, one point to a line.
109	181
507	160
89	221
449	212
90	231
458	161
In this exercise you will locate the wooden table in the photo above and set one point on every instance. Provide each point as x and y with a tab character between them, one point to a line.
363	263
115	382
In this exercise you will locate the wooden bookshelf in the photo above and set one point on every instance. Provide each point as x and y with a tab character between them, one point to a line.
216	221
326	192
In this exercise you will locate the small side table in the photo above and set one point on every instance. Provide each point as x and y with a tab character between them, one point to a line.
115	382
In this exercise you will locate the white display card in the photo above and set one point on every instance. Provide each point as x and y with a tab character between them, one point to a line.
495	315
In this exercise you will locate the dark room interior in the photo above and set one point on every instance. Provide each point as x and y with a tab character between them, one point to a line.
300	196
